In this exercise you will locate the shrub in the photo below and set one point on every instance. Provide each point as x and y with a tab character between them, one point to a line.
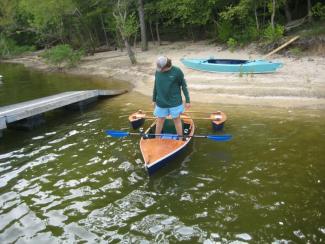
232	43
63	56
243	33
225	31
9	48
250	33
318	11
273	34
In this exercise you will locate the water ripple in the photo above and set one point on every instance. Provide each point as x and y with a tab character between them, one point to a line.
75	185
4	179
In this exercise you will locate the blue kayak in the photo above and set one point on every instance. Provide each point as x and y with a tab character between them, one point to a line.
232	65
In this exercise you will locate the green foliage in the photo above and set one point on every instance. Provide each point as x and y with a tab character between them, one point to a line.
246	33
126	23
186	12
232	44
243	33
90	24
62	56
7	12
273	34
318	10
225	31
46	13
239	12
9	48
237	22
131	26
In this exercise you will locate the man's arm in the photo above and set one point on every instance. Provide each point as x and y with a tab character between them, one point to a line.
154	93
184	87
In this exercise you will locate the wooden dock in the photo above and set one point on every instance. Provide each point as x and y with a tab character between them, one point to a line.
16	112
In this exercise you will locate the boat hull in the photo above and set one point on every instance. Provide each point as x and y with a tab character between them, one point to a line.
157	152
152	169
232	66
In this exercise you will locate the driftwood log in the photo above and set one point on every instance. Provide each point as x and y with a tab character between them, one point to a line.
295	23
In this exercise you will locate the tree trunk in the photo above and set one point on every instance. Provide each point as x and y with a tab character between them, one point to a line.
264	13
295	8
103	26
144	42
190	30
119	41
273	13
157	33
256	18
61	31
88	31
135	40
152	36
215	28
130	52
287	11
310	17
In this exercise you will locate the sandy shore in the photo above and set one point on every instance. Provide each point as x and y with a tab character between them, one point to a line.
299	84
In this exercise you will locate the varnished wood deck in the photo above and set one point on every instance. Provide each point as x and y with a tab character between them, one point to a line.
154	149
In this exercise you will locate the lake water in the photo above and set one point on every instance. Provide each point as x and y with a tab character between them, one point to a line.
67	182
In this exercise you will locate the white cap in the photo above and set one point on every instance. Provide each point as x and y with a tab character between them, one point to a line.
161	62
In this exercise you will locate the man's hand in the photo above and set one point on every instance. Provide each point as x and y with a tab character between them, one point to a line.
187	106
154	104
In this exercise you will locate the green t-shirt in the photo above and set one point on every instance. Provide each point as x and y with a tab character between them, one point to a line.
167	89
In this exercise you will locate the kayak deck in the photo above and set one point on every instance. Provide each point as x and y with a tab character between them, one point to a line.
232	65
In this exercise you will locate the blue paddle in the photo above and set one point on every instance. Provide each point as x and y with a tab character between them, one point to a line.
119	134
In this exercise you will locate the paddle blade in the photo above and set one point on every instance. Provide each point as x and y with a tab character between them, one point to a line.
219	137
117	133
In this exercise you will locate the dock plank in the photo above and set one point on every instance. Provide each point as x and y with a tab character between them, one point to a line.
19	111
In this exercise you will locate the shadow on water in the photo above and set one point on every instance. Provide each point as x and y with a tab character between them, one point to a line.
51	119
21	84
220	158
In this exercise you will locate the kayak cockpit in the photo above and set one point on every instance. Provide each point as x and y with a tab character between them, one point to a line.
227	61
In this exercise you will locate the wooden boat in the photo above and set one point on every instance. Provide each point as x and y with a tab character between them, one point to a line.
232	65
137	119
158	151
218	120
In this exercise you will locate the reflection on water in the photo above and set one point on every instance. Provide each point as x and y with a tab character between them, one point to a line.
67	182
20	84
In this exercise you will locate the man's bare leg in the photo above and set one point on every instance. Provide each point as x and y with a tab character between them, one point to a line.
159	125
178	126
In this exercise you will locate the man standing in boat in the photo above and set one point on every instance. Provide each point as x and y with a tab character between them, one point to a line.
167	97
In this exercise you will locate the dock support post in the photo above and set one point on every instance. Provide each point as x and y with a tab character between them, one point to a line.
29	123
3	125
80	106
